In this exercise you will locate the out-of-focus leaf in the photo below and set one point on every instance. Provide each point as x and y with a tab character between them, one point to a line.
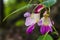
21	4
48	37
18	10
40	0
58	38
19	23
49	3
9	9
8	3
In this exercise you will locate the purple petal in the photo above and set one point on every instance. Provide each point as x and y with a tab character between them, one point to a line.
39	23
38	8
29	21
27	14
48	29
42	30
30	29
45	29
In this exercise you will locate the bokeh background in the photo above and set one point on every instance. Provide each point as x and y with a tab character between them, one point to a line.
13	28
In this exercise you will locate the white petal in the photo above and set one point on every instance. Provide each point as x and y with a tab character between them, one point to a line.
29	21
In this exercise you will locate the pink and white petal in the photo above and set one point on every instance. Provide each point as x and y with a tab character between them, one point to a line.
30	29
29	21
38	8
50	23
27	14
45	13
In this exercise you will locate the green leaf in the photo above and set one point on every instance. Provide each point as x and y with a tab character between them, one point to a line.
49	3
48	37
19	22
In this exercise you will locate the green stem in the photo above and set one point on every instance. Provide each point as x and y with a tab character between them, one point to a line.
30	1
15	11
45	35
29	5
54	29
53	26
49	9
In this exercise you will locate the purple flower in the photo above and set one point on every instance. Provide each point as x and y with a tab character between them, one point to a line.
45	24
31	21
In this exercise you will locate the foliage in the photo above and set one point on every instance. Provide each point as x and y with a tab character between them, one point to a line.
48	37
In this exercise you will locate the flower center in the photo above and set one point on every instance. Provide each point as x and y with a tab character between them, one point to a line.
36	17
46	21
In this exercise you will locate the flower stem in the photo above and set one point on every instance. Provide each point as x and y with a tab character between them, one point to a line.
53	26
16	11
30	1
55	29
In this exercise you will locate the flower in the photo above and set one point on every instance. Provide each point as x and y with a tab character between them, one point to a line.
32	19
45	23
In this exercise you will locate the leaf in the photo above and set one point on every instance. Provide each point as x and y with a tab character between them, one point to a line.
49	3
48	37
19	22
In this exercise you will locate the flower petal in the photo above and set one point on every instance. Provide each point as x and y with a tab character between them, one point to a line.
39	23
45	29
48	29
45	21
27	14
50	23
38	8
42	30
30	29
29	21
